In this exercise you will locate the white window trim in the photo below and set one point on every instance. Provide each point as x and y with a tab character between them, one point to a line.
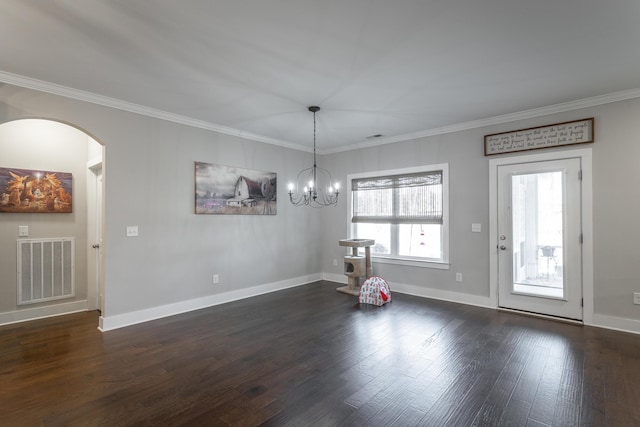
398	260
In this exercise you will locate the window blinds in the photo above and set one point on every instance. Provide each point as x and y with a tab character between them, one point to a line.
398	199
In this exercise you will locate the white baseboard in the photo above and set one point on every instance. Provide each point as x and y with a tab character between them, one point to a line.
107	323
421	291
616	323
126	319
42	312
443	295
598	320
338	278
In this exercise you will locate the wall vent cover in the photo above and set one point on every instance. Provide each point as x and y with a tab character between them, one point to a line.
46	269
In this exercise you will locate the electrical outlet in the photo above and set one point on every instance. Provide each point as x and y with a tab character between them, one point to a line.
335	262
216	279
458	277
636	298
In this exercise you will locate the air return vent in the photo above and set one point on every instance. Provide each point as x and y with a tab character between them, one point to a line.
46	269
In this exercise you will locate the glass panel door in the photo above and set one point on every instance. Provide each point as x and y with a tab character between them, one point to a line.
539	250
537	219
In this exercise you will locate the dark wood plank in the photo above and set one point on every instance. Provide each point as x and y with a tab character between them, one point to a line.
516	413
493	406
311	356
544	403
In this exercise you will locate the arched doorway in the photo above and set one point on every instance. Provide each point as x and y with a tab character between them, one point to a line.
34	155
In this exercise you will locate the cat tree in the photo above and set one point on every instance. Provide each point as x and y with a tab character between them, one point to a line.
355	265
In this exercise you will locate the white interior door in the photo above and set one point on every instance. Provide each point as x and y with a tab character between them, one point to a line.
95	292
539	237
100	251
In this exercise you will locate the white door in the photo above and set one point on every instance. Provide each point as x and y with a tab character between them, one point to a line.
99	252
95	292
539	237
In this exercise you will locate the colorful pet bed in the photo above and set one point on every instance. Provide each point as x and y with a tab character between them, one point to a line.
375	290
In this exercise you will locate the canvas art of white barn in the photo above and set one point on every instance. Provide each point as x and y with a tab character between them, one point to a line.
247	190
127	98
244	191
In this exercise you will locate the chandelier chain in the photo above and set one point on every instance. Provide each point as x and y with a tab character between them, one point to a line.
314	138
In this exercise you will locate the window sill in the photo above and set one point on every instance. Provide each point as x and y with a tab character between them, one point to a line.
410	262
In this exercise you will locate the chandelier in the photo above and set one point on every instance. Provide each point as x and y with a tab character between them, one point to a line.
317	189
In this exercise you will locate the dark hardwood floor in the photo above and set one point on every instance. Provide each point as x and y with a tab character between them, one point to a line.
310	356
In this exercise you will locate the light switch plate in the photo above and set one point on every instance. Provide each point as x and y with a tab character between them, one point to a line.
23	230
476	228
132	230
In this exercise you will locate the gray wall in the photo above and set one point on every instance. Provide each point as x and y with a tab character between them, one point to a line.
48	146
469	203
616	191
149	176
149	182
616	177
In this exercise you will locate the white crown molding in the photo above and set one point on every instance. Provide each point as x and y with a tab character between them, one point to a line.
505	118
81	95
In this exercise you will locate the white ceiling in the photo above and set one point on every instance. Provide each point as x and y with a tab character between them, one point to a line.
374	67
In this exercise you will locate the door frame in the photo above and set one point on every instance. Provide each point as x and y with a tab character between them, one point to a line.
585	155
95	259
569	304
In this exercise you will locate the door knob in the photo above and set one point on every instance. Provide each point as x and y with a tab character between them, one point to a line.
503	248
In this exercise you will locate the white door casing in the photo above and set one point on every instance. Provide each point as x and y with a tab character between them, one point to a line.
95	291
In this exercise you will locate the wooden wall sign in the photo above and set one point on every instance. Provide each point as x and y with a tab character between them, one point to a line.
567	133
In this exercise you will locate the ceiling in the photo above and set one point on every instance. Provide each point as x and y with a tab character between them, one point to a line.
394	68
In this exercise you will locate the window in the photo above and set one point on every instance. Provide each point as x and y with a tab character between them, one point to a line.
405	211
